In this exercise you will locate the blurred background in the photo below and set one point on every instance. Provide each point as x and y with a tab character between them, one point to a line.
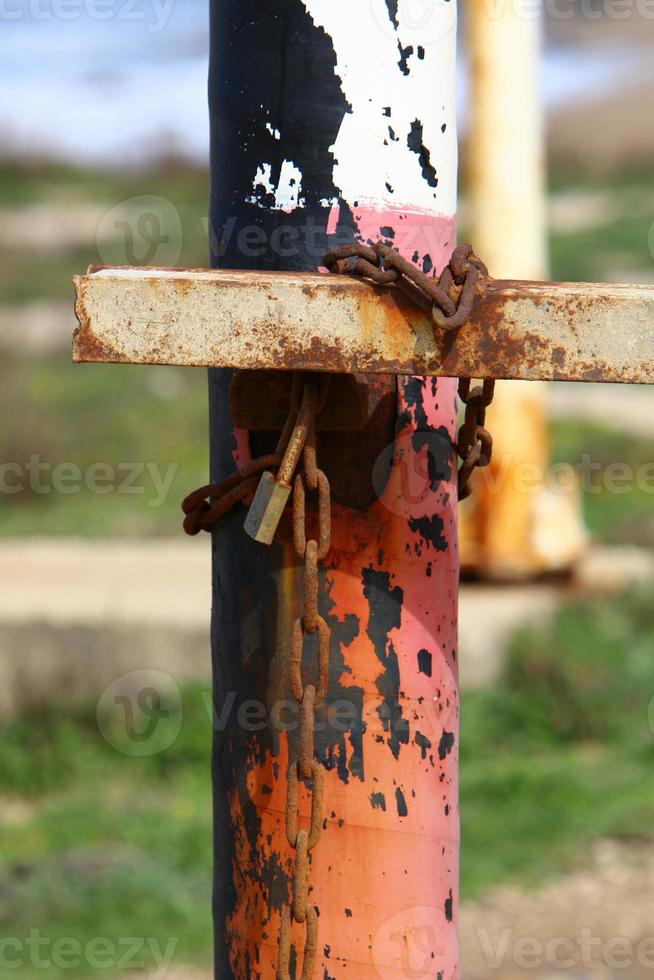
103	159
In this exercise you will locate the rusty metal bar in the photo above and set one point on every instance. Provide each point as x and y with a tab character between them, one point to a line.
305	321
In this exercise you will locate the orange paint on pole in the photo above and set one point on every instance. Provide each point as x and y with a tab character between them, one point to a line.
385	870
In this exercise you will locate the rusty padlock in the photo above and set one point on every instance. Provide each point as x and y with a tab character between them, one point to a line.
273	492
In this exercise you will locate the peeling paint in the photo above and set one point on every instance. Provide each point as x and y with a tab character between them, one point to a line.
366	162
286	195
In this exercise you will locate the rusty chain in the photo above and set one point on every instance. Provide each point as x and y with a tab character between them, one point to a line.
310	550
449	300
208	504
385	266
311	542
474	442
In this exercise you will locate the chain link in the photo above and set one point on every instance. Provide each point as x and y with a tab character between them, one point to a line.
385	266
208	504
449	300
474	442
310	550
205	506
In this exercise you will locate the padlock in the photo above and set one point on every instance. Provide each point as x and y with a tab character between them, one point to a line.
273	492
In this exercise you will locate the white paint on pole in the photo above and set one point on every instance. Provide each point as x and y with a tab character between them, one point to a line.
286	193
396	148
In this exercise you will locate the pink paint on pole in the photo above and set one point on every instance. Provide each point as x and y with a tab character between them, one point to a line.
387	871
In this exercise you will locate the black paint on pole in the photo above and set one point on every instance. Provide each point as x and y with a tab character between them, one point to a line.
274	96
271	70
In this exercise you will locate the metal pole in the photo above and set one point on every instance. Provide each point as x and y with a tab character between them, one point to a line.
330	120
504	531
506	139
507	203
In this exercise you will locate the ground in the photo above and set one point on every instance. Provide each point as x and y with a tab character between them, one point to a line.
99	841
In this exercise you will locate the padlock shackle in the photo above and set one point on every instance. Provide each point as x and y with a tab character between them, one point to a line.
299	435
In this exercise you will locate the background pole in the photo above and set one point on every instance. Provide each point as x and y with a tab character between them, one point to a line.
333	120
506	532
506	138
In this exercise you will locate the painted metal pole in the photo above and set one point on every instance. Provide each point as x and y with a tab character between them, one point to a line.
334	119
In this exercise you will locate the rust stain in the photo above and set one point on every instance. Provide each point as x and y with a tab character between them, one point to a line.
558	357
86	346
88	349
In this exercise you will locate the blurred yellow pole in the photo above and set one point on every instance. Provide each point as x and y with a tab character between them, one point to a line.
506	142
512	526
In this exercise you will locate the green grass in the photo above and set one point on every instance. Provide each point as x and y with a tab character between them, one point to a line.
561	753
613	518
148	421
31	182
28	274
558	755
117	846
622	242
567	177
55	413
592	255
